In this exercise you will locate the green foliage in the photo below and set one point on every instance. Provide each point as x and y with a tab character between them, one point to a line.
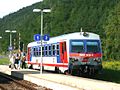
67	16
113	65
112	30
4	61
111	71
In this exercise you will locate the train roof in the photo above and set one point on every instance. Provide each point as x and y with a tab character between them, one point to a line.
65	37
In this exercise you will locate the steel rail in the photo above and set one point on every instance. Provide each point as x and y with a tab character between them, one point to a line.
19	83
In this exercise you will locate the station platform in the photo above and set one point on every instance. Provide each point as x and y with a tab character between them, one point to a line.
60	81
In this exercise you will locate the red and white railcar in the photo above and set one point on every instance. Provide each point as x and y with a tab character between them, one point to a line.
79	51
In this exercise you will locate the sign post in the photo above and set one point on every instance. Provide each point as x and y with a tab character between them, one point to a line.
38	37
41	11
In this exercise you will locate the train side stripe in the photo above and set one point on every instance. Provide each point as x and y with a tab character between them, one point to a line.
85	55
46	64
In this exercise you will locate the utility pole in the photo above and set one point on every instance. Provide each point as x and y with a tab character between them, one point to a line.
19	40
41	12
10	46
14	44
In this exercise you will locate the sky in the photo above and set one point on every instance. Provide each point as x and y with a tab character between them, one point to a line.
10	6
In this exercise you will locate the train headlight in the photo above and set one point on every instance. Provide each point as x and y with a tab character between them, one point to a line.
72	59
97	60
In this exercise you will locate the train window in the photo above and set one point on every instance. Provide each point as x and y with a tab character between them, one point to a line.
58	52
77	46
49	47
34	52
43	53
93	46
57	46
53	47
49	50
37	51
46	51
31	51
39	48
45	47
50	53
54	52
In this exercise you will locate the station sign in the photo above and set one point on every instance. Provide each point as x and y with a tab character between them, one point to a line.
46	37
39	42
37	37
10	48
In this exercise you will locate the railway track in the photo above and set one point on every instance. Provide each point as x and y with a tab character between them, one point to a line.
56	81
11	83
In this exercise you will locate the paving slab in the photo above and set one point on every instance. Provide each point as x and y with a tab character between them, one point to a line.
53	80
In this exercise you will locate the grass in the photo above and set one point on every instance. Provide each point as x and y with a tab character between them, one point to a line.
111	72
4	61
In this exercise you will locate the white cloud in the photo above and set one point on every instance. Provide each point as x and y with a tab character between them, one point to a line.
10	6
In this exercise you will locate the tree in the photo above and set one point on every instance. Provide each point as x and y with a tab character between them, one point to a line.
112	30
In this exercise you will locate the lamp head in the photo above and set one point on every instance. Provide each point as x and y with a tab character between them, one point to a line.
36	10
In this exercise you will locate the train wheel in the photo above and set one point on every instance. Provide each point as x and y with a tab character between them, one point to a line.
66	72
57	70
31	66
42	68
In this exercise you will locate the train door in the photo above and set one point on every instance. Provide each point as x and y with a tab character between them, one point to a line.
63	52
28	54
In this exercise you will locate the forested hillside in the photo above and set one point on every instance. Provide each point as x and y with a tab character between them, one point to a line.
98	16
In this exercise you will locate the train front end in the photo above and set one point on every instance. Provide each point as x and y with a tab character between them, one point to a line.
85	55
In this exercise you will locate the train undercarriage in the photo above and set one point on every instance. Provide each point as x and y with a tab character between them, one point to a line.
84	70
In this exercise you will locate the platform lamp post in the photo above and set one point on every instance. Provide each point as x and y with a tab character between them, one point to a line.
41	11
0	43
10	31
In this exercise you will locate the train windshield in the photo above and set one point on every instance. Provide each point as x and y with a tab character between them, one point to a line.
82	46
93	46
77	46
